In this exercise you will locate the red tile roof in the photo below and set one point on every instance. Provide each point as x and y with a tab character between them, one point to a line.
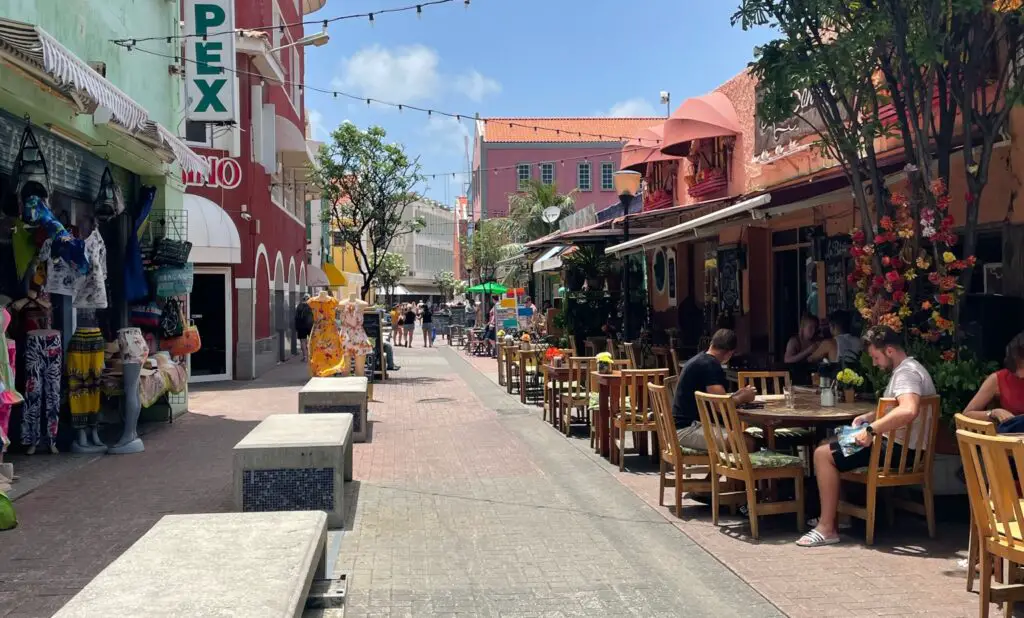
576	130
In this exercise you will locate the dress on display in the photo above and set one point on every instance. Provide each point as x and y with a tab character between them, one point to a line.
44	357
353	337
8	396
325	352
85	368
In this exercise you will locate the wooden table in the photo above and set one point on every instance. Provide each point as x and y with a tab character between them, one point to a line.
557	377
806	411
608	406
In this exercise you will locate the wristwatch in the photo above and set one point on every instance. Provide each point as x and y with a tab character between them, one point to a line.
871	430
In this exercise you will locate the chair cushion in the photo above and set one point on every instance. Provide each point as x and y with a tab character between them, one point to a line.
774	459
685	450
595	402
786	433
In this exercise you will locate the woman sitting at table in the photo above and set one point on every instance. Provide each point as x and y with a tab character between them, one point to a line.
842	347
800	348
1006	385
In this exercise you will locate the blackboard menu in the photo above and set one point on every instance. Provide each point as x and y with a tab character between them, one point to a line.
441	322
729	280
836	255
458	317
371	324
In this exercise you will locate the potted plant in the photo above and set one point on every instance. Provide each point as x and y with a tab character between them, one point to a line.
553	356
524	341
591	262
850	380
604	362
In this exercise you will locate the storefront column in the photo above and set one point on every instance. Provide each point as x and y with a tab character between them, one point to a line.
245	332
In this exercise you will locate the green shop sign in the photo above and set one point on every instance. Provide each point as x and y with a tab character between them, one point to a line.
211	86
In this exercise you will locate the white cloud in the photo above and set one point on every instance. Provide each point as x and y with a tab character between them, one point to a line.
635	107
316	124
446	135
476	86
405	74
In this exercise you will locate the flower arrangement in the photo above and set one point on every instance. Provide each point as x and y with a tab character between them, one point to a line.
918	286
604	362
525	338
850	378
501	334
553	356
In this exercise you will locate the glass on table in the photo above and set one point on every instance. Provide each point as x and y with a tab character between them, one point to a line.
787	393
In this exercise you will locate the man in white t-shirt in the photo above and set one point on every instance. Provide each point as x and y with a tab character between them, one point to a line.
909	382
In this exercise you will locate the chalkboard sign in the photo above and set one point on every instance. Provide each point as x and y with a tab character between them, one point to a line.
458	317
836	255
371	324
729	282
441	322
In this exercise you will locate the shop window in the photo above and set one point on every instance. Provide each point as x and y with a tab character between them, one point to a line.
660	271
583	182
197	132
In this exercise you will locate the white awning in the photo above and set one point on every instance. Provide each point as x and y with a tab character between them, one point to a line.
669	234
29	46
315	277
551	260
214	237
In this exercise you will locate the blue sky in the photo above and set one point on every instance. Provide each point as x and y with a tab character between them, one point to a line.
516	58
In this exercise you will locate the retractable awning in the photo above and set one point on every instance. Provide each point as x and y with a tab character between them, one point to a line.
336	278
31	48
703	117
669	234
551	260
316	278
214	236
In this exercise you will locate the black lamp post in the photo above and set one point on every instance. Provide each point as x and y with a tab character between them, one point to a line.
627	185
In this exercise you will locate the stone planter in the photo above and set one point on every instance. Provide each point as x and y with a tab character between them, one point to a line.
604	368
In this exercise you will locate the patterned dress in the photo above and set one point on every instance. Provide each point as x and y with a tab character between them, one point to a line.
325	354
353	337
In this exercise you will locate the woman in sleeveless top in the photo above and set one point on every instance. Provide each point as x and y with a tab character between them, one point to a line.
1006	386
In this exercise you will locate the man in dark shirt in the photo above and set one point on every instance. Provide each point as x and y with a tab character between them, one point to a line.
704	373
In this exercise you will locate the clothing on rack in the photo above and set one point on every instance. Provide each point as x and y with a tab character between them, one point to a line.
91	289
43	364
136	287
66	246
85	368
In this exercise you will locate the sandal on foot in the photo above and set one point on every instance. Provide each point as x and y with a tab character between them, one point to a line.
816	539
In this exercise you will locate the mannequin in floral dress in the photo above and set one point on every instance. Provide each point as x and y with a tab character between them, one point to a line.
354	340
325	353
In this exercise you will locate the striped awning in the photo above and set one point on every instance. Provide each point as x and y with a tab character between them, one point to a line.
32	48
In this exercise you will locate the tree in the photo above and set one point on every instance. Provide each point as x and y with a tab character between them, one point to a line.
525	221
391	267
367	184
448	285
944	67
484	249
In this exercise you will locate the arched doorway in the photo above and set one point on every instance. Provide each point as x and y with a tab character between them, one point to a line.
293	301
280	323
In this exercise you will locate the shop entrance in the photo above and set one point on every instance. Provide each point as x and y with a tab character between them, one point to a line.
210	309
795	285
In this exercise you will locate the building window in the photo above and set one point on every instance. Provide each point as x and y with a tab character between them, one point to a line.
296	76
607	180
547	173
275	33
196	133
523	176
583	176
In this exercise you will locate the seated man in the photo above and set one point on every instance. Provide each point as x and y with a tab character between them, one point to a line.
909	382
704	373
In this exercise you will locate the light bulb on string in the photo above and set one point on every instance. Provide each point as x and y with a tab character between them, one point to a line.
371	18
419	12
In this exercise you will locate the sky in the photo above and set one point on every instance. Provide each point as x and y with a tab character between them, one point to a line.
518	58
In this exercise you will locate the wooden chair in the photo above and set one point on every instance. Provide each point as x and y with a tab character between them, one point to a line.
774	383
501	365
671	383
510	352
578	397
593	345
730	458
529	363
884	474
676	363
991	464
985	428
689	468
630	349
549	385
635	411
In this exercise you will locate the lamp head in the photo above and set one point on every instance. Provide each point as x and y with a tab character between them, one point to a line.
665	97
627	183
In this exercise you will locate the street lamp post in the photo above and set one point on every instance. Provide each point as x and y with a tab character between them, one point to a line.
627	185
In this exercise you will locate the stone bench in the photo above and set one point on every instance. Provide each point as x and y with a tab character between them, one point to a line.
332	395
227	564
295	462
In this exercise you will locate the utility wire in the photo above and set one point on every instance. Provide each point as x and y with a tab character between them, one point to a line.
324	22
401	106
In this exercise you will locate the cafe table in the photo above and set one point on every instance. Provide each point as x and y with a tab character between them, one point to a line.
806	411
608	386
555	381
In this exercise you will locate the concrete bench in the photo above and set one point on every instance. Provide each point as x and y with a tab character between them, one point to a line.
332	395
295	462
229	564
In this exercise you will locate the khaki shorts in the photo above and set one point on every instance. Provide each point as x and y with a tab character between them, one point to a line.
693	437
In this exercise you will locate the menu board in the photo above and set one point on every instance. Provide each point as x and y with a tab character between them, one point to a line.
441	322
458	317
506	313
729	280
371	324
836	255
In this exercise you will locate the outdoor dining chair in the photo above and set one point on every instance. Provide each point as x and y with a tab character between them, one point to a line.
630	349
991	466
528	364
985	428
578	396
593	345
635	412
776	383
501	364
903	473
730	458
683	469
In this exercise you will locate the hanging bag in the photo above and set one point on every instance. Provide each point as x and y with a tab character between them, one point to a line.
173	281
188	343
168	252
172	319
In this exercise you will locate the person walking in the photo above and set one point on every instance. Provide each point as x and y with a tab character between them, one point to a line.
409	326
303	325
427	319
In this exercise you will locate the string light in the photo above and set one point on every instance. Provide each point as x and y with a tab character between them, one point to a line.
400	9
405	106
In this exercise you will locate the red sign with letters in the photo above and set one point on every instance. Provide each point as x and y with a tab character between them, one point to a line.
224	173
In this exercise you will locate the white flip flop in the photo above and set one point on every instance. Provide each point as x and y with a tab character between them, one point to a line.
816	539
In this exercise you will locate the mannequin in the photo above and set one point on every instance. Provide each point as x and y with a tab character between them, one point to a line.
355	343
325	352
84	367
130	441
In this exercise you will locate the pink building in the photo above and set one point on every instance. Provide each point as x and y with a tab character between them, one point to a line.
571	153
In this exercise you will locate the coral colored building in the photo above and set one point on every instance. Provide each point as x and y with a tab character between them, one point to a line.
571	153
247	220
